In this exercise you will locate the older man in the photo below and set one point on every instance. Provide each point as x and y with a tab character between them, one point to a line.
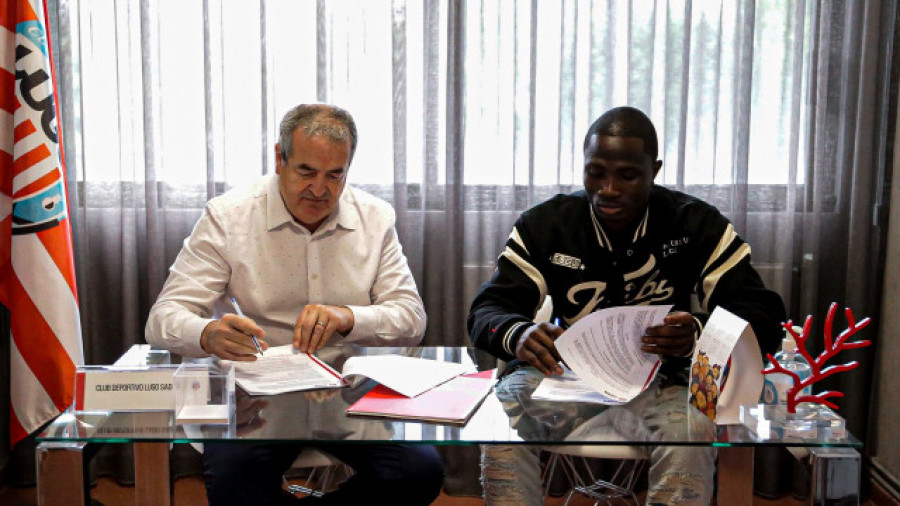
311	261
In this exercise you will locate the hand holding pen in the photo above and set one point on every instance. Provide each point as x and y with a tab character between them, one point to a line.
234	337
240	313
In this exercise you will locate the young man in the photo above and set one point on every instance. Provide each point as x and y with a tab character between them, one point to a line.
310	261
621	241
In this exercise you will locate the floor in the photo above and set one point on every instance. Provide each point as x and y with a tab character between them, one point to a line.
190	491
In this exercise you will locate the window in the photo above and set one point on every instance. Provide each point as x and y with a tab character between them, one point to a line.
198	94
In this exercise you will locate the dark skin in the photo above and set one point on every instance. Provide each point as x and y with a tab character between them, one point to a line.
618	176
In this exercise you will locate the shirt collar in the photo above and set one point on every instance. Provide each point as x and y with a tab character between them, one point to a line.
277	214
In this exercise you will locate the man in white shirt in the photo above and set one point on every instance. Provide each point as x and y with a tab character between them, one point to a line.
310	261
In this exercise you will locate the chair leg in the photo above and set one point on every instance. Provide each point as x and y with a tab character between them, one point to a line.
322	477
620	486
305	488
547	475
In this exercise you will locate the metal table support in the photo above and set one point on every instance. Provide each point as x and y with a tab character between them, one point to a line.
835	476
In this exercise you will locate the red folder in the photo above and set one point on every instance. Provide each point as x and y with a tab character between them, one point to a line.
451	402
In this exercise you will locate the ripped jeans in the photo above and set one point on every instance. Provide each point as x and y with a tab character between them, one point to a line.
511	475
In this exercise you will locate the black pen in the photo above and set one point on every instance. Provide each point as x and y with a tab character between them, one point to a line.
241	314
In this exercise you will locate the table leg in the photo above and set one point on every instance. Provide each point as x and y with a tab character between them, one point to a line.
62	474
152	486
835	474
735	482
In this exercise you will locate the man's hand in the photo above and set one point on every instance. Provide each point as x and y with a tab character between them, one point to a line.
248	413
321	395
229	338
536	347
317	323
676	336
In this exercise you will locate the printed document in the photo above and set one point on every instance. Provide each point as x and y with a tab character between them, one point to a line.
603	349
569	388
727	343
286	369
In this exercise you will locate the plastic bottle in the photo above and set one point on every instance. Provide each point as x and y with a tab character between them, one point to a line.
776	385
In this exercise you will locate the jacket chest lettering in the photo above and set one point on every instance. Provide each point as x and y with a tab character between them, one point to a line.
671	246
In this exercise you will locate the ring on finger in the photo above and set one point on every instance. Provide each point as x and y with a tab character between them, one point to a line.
321	324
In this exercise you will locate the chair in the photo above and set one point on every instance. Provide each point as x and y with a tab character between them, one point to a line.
573	459
322	473
574	462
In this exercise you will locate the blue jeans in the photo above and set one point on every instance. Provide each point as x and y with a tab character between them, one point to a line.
250	474
678	474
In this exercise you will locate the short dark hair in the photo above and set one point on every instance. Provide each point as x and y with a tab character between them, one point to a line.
625	122
329	121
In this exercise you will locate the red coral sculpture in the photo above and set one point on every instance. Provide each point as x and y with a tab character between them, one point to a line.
832	348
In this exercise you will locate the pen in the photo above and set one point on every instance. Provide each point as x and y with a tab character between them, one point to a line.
241	314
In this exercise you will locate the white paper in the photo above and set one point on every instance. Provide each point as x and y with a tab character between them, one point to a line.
569	388
604	350
725	336
283	369
286	369
745	381
409	376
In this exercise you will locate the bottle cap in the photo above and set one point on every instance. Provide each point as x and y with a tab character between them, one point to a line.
788	343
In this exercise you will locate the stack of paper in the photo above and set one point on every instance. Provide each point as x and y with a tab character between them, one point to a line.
286	369
604	351
451	402
608	366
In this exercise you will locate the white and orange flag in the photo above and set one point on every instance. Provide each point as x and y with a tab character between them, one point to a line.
37	271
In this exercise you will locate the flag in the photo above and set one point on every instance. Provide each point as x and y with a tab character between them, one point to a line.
37	273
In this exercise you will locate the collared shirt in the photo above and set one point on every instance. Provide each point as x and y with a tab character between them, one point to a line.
247	245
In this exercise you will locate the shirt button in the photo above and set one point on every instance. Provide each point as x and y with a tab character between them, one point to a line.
314	276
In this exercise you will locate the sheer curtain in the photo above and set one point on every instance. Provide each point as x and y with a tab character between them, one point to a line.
470	112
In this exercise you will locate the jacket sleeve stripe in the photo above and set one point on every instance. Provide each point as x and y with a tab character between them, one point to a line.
529	270
507	345
728	237
711	279
516	238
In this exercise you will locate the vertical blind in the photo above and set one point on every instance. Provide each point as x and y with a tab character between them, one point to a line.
469	112
194	89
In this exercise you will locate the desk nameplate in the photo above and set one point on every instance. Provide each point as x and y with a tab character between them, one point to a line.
116	389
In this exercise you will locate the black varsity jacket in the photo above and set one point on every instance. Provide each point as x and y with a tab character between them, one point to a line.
682	247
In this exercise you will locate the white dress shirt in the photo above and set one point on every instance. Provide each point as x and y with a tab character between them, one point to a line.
246	245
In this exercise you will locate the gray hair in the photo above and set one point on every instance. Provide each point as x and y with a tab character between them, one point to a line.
331	122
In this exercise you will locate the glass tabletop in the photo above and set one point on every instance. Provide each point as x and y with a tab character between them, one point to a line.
319	415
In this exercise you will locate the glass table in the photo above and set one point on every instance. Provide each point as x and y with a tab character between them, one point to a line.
67	444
